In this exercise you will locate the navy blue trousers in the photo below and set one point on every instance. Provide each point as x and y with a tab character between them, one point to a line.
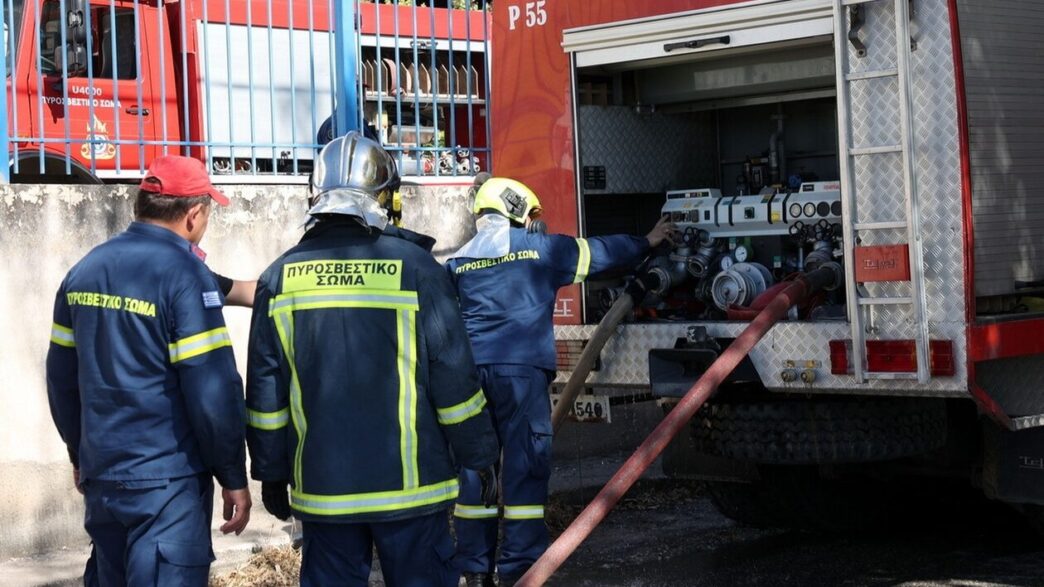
521	409
415	552
154	532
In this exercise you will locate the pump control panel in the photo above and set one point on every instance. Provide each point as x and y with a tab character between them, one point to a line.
768	214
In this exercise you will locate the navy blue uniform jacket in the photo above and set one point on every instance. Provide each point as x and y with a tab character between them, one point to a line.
508	302
361	388
140	374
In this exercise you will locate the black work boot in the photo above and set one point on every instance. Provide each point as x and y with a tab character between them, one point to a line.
507	581
478	580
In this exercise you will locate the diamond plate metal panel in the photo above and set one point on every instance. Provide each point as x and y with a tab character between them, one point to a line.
625	358
647	153
879	180
879	197
879	189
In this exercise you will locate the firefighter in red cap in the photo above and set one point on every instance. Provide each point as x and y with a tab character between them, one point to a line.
507	278
144	391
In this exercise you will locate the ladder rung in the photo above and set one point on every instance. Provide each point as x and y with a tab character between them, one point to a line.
875	150
885	301
860	75
890	376
854	2
889	225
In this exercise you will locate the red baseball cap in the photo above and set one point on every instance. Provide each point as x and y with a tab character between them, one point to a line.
180	177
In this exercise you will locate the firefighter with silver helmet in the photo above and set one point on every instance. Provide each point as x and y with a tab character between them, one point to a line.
507	278
362	394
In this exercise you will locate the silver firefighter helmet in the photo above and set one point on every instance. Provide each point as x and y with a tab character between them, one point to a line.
354	176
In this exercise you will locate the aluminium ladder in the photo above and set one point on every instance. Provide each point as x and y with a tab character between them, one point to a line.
859	303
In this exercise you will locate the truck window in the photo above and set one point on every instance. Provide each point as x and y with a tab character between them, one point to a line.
12	26
104	60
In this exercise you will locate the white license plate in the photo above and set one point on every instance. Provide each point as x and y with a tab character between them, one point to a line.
587	408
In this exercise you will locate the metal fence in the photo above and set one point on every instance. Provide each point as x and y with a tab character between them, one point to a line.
96	89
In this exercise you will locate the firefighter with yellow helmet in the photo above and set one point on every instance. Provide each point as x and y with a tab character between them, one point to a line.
507	278
362	395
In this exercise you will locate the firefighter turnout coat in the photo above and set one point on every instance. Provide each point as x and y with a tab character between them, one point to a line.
508	301
140	374
359	372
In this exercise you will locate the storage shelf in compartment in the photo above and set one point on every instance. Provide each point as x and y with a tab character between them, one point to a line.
442	99
403	77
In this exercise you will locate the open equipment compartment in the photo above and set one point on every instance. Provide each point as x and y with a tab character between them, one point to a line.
739	145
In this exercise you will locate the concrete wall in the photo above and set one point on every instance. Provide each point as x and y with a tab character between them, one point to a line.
46	229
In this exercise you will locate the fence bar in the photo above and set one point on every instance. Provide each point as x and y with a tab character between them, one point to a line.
231	86
65	86
115	82
488	149
347	110
451	133
311	66
91	136
206	85
331	46
378	72
139	79
185	115
163	73
14	31
5	161
271	90
435	95
397	76
250	80
293	84
467	83
360	91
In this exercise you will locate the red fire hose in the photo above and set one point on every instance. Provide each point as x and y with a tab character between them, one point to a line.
675	420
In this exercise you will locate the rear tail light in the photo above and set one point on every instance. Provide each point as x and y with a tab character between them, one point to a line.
893	356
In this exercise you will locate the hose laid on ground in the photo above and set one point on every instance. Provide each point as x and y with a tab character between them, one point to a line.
672	423
605	330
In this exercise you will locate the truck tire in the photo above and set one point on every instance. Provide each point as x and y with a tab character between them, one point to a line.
797	497
824	431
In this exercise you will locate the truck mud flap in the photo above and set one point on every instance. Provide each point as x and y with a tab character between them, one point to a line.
1013	464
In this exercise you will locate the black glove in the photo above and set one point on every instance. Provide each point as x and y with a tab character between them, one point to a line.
490	489
276	498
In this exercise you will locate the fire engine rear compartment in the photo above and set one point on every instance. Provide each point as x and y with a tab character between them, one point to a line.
740	147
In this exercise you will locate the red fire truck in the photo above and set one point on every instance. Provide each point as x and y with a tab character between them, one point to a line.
243	84
896	140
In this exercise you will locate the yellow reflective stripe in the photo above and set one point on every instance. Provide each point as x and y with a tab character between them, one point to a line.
62	335
344	298
474	512
285	328
199	344
462	411
523	512
583	261
268	420
383	501
407	371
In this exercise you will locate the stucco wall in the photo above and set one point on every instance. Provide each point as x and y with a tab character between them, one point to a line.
46	229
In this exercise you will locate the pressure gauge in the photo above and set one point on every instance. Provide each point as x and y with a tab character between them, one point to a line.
810	209
740	254
795	210
726	262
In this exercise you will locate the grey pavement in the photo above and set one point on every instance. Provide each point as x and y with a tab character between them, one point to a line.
585	457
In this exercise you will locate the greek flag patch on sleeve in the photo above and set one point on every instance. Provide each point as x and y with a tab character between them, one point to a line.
211	299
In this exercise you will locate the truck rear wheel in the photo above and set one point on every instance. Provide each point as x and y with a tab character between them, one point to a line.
798	431
800	498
